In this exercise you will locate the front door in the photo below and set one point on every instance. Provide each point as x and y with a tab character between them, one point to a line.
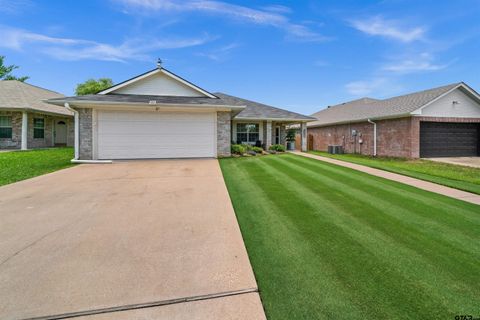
60	132
277	135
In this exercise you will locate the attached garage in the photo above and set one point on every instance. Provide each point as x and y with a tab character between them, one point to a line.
141	135
447	139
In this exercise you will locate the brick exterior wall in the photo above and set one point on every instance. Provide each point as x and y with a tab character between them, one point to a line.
86	134
47	141
224	134
395	137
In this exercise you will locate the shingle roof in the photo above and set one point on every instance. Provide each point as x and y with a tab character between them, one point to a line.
255	110
137	98
23	96
368	108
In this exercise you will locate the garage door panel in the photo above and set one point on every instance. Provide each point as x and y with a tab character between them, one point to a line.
135	135
443	139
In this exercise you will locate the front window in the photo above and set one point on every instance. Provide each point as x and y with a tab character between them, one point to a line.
38	128
248	132
5	127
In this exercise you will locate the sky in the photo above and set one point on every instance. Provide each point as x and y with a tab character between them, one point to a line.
297	55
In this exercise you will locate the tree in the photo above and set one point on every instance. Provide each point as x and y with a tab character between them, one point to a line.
92	86
6	71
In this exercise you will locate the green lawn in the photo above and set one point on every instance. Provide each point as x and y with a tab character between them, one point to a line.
21	165
459	177
328	242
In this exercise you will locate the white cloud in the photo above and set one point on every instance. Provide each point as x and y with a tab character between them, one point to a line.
272	16
80	49
364	88
220	54
422	62
378	26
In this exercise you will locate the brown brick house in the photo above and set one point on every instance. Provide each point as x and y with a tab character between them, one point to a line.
439	122
26	122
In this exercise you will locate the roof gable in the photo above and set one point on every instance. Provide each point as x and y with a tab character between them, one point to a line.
158	82
394	107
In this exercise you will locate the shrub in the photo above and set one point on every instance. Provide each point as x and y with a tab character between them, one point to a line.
238	149
248	147
257	150
277	147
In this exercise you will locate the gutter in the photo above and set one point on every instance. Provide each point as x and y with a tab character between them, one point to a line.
77	139
374	137
77	131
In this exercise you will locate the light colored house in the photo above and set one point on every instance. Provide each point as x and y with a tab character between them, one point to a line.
161	115
439	122
26	122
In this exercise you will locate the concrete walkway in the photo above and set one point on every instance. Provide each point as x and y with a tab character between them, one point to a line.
130	240
421	184
473	162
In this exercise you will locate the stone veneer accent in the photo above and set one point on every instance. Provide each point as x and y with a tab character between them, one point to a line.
224	134
16	141
86	133
47	141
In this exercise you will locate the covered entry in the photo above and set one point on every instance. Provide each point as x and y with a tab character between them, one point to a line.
448	139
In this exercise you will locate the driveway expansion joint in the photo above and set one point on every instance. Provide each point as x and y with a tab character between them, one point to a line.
146	305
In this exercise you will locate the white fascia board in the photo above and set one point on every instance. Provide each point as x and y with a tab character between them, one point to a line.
147	106
165	72
126	83
274	119
460	85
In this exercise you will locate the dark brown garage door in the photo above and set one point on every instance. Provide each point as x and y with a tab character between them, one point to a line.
441	139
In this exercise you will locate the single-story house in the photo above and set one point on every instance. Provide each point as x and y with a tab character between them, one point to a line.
440	122
161	115
27	122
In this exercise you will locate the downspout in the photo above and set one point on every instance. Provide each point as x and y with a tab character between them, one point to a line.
374	137
77	130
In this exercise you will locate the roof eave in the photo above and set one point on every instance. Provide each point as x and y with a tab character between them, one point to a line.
403	115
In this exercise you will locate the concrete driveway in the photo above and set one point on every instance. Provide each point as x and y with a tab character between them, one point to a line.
129	240
473	162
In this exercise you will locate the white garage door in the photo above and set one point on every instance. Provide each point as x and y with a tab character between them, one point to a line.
139	135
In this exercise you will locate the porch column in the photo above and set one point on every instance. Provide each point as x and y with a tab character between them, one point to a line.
24	130
268	138
303	129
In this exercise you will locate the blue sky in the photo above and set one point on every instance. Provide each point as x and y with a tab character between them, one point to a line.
300	55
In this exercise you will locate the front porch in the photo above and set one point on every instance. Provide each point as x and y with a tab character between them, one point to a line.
30	130
265	133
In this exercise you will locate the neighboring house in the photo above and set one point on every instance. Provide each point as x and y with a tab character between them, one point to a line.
26	122
439	122
160	115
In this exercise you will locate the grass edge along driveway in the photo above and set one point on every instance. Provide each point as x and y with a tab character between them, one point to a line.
20	165
328	242
450	175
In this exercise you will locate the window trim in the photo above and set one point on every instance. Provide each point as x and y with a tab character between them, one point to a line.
35	127
258	132
7	127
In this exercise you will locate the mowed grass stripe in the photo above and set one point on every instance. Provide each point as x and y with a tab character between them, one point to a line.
279	279
448	212
327	242
413	217
394	253
426	265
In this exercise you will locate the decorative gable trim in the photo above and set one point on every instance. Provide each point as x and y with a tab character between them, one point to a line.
153	72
